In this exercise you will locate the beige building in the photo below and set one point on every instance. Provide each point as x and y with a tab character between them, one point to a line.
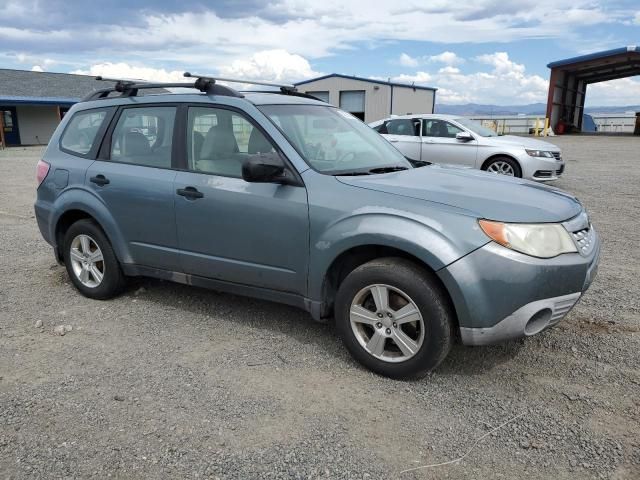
368	99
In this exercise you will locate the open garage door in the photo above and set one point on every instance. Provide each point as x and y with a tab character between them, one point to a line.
570	78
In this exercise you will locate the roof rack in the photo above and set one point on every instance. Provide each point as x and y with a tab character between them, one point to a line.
130	88
204	83
283	88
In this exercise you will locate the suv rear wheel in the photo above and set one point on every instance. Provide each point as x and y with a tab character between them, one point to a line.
394	318
90	261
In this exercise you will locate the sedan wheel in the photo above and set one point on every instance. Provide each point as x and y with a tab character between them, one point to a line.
502	168
387	323
87	261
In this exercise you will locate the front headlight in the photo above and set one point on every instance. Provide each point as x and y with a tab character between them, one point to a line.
544	240
539	153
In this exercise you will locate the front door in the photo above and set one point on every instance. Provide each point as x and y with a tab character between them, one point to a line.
10	125
247	233
440	145
134	179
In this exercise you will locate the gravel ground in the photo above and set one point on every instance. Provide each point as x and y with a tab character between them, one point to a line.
171	381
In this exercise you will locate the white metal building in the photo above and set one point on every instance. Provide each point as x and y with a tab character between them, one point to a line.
368	99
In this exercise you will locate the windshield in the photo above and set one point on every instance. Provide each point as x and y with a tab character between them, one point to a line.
476	127
334	142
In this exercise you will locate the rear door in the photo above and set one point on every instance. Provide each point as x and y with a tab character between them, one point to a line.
404	134
247	233
440	145
133	176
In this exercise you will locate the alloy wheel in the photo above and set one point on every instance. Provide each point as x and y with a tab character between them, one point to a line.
87	261
502	168
387	323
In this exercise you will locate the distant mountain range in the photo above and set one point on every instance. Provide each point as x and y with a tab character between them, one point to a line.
531	109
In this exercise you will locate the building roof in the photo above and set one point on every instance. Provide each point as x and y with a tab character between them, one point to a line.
370	80
594	56
22	86
602	66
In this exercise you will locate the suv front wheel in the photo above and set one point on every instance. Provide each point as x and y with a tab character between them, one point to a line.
91	263
394	318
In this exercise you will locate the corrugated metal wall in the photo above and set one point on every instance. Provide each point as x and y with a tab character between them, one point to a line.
407	101
377	96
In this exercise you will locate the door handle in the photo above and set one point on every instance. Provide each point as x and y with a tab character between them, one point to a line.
100	180
394	141
190	192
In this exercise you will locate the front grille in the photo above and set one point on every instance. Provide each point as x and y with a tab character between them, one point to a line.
584	240
557	155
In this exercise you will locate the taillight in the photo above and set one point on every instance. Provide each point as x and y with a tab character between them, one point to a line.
41	171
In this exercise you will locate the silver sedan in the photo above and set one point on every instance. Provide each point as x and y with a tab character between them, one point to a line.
448	139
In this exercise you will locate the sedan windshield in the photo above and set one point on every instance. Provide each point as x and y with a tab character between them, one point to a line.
476	127
334	142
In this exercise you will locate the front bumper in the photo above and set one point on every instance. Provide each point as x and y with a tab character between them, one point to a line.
541	169
500	294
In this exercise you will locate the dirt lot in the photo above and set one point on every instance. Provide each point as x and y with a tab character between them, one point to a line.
169	381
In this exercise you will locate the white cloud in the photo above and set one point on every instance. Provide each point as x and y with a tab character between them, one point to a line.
636	18
448	58
624	91
506	83
276	65
408	61
132	72
37	68
273	65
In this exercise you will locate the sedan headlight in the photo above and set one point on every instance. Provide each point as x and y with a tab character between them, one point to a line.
538	153
544	240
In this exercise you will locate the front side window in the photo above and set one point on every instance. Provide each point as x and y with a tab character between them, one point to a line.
332	141
80	134
219	141
143	136
440	128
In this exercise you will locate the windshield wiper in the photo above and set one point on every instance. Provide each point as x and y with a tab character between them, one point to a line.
395	168
351	174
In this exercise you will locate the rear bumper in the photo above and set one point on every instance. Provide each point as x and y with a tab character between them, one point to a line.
500	294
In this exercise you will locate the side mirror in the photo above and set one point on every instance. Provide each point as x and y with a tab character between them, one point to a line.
464	136
264	168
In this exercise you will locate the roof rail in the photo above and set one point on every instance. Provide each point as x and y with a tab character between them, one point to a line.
129	88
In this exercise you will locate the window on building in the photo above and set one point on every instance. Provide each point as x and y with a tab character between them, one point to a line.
143	136
323	96
352	101
219	141
440	128
81	132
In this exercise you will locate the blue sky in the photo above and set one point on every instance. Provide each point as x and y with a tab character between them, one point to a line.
485	51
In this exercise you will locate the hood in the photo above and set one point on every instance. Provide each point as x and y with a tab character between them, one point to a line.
525	142
484	195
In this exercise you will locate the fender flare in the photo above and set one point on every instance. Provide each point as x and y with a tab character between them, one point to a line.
86	201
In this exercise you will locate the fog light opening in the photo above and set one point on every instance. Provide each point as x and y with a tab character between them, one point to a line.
538	322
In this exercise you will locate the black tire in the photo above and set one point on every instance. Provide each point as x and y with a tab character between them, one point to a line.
517	171
113	280
426	293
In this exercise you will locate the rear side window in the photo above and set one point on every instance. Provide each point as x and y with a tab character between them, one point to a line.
81	133
143	136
